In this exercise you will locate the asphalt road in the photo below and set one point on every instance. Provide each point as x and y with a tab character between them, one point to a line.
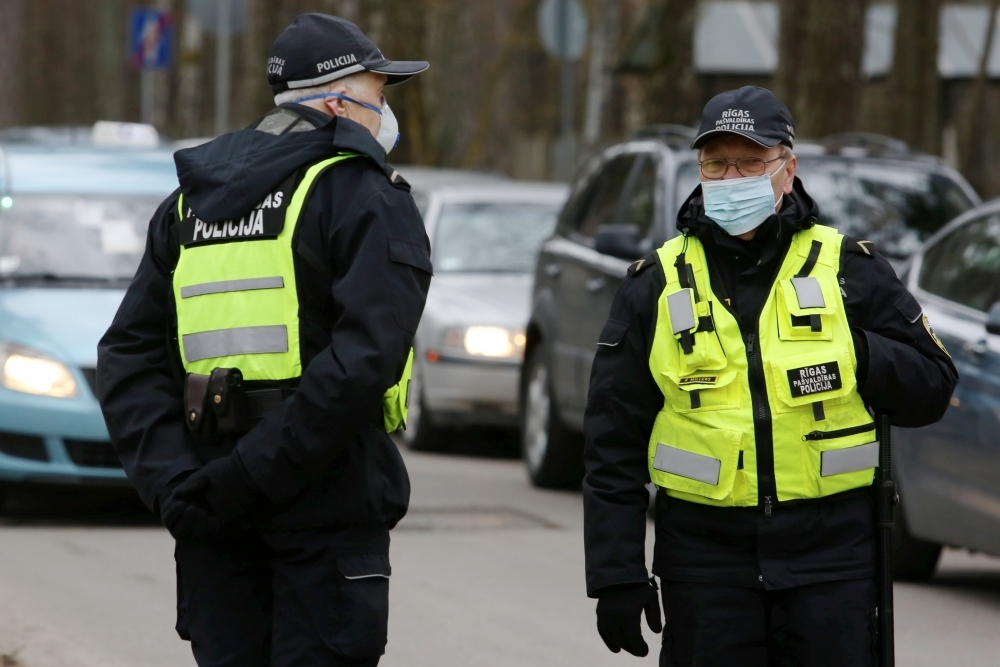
486	571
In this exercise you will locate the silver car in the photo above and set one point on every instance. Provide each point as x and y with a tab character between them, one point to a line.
485	234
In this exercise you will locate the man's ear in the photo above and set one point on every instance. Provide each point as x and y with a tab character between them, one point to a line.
335	106
790	170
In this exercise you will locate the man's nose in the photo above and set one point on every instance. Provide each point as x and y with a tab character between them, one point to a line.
732	172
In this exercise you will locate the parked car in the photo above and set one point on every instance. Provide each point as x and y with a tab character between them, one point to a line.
485	234
73	218
949	473
624	204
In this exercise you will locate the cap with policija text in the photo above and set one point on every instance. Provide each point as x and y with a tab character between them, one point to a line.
755	113
319	48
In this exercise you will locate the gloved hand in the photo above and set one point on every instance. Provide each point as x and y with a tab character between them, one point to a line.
222	486
619	622
187	520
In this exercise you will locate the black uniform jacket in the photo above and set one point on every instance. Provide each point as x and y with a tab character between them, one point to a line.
902	371
363	268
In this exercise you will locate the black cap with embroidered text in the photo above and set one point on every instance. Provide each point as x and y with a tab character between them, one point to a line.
318	48
755	113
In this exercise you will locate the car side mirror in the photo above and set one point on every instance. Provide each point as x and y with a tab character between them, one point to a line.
993	319
622	241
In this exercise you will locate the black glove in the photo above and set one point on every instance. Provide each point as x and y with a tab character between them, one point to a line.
619	622
186	520
222	487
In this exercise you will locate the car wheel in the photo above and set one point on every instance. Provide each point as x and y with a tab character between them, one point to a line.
420	433
913	559
552	454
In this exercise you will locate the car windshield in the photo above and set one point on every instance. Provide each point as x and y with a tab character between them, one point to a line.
895	207
73	237
491	238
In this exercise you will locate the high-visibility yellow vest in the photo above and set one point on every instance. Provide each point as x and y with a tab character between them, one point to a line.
236	294
794	377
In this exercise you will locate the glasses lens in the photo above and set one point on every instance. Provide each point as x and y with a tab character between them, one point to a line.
713	168
750	166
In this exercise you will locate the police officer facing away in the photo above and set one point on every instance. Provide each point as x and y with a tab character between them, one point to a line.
738	372
261	355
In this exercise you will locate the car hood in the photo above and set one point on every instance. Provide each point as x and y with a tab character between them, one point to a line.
63	323
468	299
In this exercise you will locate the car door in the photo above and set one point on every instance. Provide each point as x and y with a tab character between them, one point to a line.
950	471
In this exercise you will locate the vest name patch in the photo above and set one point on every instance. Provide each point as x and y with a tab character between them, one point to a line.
816	379
703	379
265	221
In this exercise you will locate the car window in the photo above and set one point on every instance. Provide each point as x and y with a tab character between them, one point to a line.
600	203
74	236
638	207
964	266
491	238
688	178
896	208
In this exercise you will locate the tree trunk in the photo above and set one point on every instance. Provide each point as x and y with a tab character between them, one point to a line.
972	153
673	94
819	71
11	32
914	84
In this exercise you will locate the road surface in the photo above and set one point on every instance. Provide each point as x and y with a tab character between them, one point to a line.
486	572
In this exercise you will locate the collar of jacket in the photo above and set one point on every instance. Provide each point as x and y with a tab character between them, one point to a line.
348	135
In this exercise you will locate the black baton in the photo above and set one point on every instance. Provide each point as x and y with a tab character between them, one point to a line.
884	507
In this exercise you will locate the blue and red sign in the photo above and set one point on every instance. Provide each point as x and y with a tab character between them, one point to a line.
149	38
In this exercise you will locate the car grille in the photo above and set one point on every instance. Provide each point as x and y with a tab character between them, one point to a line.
23	446
90	374
92	453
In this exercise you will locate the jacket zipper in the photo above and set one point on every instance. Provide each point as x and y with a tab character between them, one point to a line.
839	433
767	490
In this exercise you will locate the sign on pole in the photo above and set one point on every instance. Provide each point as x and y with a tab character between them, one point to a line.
149	49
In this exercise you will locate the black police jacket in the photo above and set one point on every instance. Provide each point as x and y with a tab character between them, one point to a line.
323	457
902	371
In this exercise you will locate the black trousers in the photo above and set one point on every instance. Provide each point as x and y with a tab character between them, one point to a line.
823	625
312	598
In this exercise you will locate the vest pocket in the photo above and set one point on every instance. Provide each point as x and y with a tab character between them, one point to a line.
702	392
803	379
842	453
806	306
693	327
693	458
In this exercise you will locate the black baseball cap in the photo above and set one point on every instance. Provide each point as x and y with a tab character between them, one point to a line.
319	48
752	112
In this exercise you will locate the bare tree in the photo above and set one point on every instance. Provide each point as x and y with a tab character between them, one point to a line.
819	69
972	155
11	32
914	88
673	94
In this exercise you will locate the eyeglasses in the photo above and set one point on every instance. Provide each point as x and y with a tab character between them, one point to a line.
716	168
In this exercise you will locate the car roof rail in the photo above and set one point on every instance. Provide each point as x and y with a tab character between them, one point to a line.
677	137
869	142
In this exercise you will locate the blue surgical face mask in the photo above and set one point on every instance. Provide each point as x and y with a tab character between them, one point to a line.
740	205
388	131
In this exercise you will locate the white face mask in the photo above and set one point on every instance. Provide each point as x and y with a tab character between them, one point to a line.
388	131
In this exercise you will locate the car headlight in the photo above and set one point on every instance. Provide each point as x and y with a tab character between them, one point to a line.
486	341
32	372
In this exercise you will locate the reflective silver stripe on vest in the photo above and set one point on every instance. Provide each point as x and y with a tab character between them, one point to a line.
687	464
221	286
230	342
809	292
850	459
681	311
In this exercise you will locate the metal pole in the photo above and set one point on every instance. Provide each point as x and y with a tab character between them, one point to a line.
885	504
567	152
147	94
223	71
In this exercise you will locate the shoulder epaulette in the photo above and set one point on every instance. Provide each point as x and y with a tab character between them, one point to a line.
641	265
859	245
396	178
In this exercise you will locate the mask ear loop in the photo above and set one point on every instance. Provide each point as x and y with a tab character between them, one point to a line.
345	98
